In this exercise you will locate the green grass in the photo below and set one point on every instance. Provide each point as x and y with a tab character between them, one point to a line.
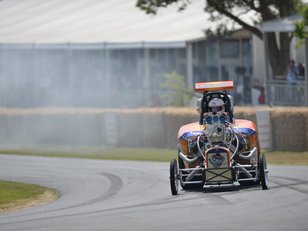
143	154
12	191
16	194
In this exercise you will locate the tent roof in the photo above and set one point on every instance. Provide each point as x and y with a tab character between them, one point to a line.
98	21
93	21
281	25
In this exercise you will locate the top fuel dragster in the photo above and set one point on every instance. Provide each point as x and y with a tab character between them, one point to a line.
218	149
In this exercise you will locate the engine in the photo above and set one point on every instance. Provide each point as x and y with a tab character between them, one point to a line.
217	131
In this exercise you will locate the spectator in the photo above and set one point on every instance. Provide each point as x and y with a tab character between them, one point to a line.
261	98
301	71
291	72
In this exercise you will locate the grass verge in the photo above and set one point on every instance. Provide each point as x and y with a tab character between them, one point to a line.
143	154
16	195
104	153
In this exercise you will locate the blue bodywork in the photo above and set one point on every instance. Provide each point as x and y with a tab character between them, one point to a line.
190	134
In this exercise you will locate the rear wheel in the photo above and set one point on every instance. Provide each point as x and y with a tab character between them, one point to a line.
174	181
263	172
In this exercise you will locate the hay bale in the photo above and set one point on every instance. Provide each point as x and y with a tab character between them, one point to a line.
154	134
130	129
144	127
289	128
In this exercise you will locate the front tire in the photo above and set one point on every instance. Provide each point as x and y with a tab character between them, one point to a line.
174	181
263	172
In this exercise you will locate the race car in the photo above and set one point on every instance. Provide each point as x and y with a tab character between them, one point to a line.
218	149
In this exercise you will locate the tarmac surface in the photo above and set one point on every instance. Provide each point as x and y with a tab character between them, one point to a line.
101	195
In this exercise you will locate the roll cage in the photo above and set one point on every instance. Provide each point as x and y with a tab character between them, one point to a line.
208	96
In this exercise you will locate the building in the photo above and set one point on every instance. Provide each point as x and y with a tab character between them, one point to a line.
93	53
278	90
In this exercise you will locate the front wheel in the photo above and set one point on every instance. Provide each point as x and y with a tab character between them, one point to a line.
263	172
174	181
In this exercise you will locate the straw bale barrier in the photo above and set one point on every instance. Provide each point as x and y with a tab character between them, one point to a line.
289	127
144	127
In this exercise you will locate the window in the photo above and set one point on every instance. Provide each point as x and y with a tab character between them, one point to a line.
229	48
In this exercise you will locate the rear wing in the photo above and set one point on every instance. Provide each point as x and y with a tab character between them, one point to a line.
214	86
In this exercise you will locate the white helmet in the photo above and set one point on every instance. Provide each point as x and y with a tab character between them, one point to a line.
217	106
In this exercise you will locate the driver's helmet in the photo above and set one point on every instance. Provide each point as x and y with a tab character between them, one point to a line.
216	106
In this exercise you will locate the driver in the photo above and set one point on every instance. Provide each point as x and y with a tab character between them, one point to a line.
216	106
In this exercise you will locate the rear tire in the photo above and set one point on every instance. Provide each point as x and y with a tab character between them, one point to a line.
174	181
263	172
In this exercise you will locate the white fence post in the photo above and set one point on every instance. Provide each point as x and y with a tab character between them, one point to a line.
111	130
264	129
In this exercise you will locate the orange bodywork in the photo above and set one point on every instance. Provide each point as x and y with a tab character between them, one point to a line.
239	124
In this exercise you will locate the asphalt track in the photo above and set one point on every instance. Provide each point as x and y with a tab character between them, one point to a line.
126	195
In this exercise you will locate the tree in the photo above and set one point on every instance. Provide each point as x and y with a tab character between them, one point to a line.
301	27
176	90
222	10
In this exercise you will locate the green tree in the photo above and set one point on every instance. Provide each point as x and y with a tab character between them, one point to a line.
222	10
176	91
301	28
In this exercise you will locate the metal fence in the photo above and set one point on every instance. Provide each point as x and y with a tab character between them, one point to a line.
279	92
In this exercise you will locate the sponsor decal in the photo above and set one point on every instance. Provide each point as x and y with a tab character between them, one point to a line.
216	159
247	131
191	134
